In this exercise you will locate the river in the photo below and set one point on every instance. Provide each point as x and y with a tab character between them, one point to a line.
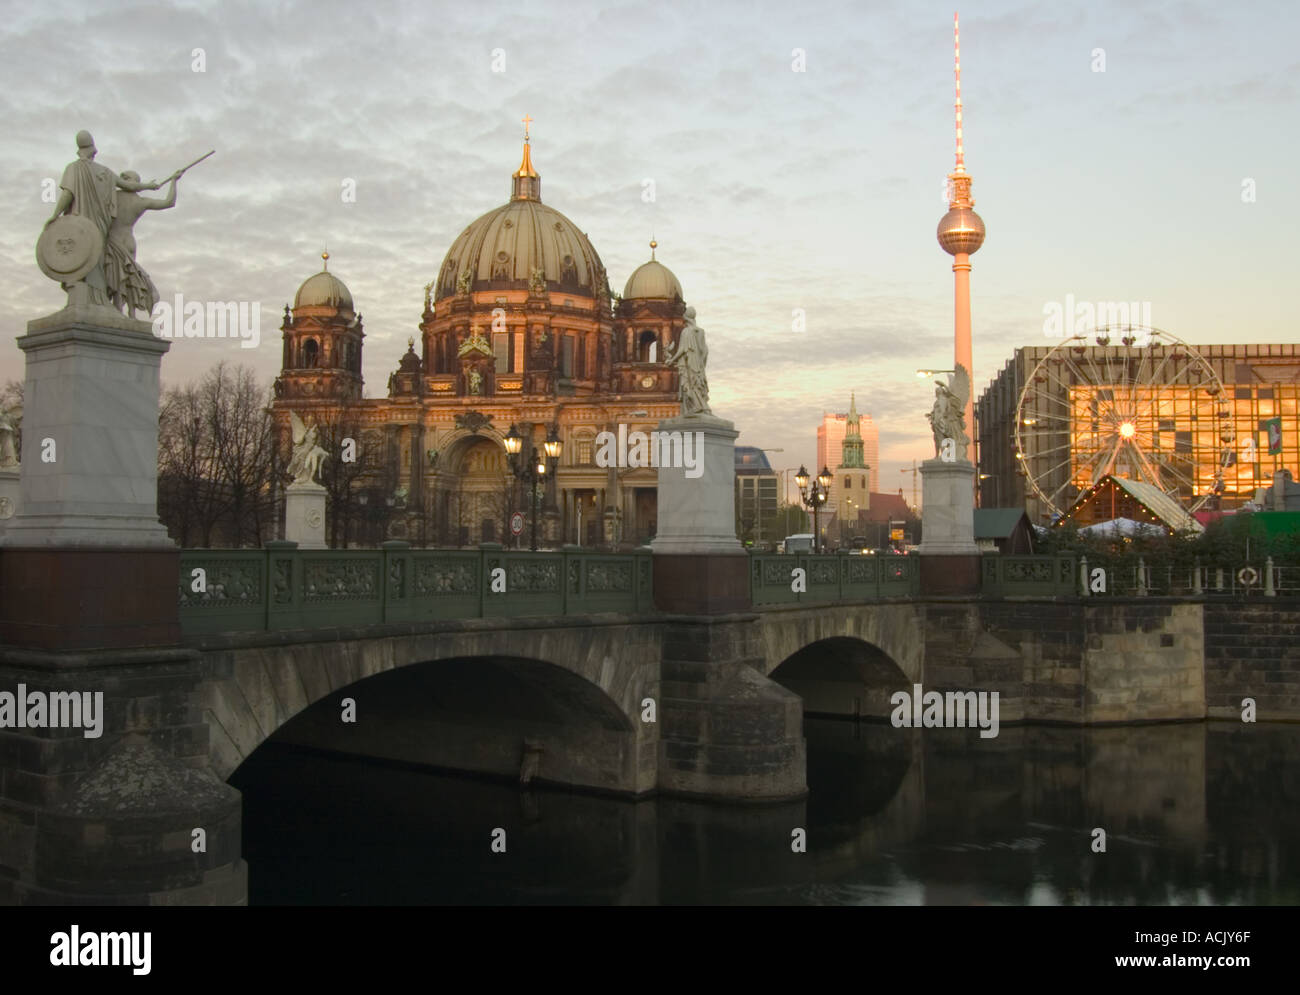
1200	813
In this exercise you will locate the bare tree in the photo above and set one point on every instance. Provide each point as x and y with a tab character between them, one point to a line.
214	460
342	480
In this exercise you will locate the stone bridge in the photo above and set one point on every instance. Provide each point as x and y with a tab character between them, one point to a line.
582	683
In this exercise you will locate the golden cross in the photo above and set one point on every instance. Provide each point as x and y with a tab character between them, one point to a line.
527	121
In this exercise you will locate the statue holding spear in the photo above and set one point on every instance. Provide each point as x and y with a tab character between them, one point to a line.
88	244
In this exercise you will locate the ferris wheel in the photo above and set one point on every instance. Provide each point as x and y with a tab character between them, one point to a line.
1146	406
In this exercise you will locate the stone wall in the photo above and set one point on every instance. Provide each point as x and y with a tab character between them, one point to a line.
1252	650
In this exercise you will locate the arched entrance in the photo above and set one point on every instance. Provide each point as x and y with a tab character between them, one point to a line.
475	492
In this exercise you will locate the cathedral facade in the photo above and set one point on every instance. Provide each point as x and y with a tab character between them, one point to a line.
519	329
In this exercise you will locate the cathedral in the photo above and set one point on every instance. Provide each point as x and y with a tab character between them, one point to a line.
519	330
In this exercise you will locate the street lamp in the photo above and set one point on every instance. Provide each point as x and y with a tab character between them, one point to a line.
813	495
993	477
537	466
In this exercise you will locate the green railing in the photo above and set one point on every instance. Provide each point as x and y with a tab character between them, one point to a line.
774	578
1029	576
283	587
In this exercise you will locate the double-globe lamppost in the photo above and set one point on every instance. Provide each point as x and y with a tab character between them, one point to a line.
535	469
814	497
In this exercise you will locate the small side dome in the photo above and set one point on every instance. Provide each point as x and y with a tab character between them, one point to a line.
323	290
652	281
410	362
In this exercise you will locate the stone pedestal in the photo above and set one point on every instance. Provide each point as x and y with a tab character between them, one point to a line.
90	433
85	563
10	500
700	567
950	559
304	515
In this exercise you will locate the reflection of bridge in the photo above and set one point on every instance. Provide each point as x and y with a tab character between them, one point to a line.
570	667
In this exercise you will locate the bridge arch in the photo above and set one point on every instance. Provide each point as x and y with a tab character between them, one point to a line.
571	693
845	660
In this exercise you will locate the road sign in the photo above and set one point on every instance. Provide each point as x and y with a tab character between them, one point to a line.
516	524
1273	426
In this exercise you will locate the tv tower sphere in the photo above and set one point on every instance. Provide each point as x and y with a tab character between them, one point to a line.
961	230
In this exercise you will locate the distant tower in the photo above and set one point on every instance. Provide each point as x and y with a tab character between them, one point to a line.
851	491
961	232
322	341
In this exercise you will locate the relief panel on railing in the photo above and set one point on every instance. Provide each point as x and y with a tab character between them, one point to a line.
282	583
339	580
443	577
608	577
222	584
533	578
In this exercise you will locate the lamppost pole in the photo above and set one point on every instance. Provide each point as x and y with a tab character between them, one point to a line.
534	471
813	494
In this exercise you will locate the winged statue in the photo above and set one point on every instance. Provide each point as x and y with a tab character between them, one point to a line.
947	417
305	462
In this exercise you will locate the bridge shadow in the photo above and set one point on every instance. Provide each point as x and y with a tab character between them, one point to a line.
842	676
504	717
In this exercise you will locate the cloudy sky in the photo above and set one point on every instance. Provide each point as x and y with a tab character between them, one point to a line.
1165	177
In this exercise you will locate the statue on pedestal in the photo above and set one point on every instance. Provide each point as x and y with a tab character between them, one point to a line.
305	463
9	437
948	416
690	357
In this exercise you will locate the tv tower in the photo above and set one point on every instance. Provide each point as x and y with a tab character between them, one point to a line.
961	232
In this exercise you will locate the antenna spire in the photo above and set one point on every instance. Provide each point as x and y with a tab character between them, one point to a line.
956	56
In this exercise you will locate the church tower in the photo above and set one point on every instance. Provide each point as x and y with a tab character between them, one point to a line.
322	342
852	476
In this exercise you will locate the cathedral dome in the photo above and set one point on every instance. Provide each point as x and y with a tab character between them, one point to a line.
323	290
508	244
652	280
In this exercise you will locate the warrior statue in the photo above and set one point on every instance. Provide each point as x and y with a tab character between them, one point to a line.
690	357
305	463
87	243
947	417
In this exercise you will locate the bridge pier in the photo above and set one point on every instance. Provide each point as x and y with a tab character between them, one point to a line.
106	797
728	732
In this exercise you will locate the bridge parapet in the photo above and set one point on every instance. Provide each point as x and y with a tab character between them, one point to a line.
283	587
1029	576
841	577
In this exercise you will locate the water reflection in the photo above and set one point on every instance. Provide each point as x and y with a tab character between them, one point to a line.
1193	813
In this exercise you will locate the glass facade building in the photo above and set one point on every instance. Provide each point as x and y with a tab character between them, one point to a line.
1199	423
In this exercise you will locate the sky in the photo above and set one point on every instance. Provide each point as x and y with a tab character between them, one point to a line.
797	152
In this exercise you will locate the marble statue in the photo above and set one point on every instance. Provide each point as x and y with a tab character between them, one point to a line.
690	357
305	463
87	243
475	381
129	286
947	417
8	438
